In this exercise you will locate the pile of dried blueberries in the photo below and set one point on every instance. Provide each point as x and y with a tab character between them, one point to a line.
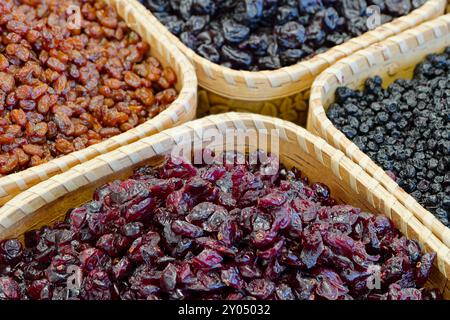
235	229
405	129
269	34
66	87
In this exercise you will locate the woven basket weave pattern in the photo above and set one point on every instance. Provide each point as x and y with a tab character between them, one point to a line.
243	87
49	200
393	59
293	108
182	110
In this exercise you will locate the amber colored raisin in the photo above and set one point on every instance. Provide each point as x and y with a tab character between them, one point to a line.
145	96
33	36
79	143
109	132
24	92
52	130
6	82
35	161
62	90
38	91
4	63
170	76
114	84
6	139
44	104
56	65
132	79
60	84
64	123
19	51
27	105
17	27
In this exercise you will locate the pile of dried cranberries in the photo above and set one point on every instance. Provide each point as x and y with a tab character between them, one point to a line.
236	229
66	86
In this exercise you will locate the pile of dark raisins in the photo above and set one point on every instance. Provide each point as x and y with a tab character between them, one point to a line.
269	34
66	87
405	129
235	229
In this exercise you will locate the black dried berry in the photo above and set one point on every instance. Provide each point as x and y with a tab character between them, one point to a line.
293	241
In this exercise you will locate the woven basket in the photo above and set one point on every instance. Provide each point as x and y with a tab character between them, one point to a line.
181	110
50	200
393	59
283	93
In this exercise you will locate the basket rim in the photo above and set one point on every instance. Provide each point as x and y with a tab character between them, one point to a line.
188	84
366	57
304	69
40	195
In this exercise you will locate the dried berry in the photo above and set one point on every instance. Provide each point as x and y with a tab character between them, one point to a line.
293	242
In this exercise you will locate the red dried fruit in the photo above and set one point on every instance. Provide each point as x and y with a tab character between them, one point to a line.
145	248
312	247
330	286
113	244
122	268
40	289
97	286
396	292
169	278
423	269
93	258
9	289
232	278
165	234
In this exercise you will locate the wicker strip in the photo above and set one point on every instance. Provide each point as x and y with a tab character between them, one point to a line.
182	110
405	51
50	200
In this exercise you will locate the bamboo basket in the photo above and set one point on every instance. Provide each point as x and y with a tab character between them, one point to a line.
50	200
283	93
181	110
393	59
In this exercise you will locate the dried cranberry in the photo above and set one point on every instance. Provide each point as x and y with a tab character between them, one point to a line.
293	242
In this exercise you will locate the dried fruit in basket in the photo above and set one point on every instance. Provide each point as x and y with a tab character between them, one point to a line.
227	230
405	129
66	86
265	35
